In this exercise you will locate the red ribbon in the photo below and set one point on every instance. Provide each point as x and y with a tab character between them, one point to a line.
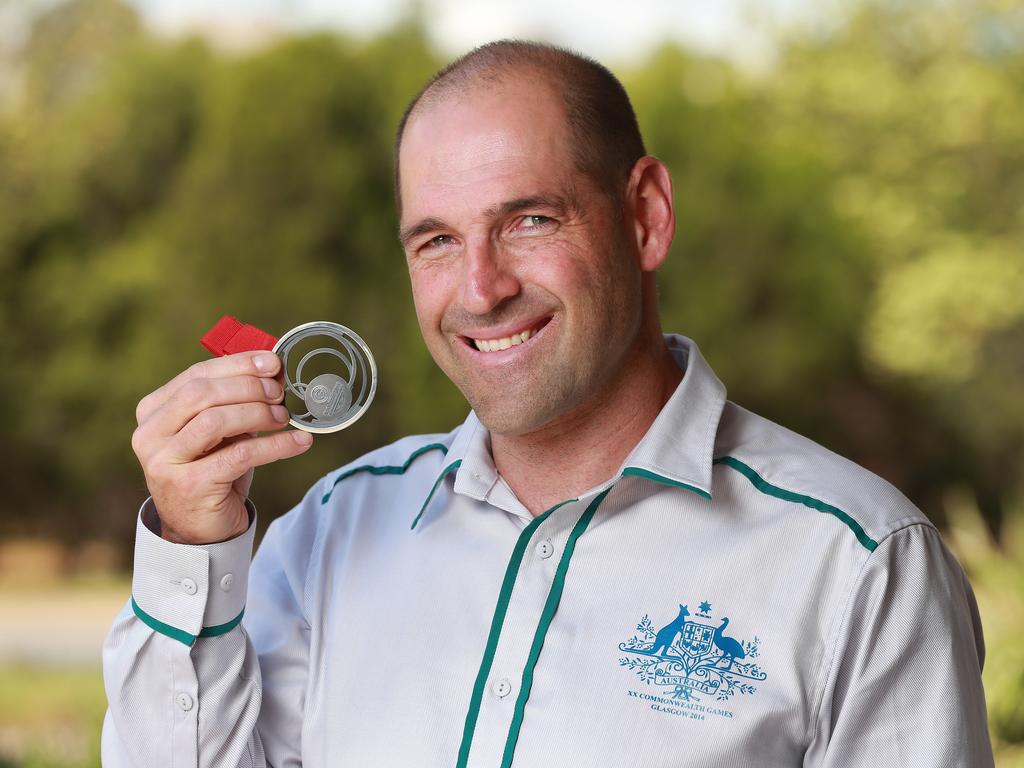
231	335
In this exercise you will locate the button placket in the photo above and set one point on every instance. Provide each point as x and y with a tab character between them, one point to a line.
526	604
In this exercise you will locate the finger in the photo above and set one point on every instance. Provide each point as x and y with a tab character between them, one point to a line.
261	363
210	427
196	395
226	464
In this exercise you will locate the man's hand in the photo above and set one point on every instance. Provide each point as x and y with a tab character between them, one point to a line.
197	443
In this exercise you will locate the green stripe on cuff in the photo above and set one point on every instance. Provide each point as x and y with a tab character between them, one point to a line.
808	501
504	597
179	634
550	607
222	629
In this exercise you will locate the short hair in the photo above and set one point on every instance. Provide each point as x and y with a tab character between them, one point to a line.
604	135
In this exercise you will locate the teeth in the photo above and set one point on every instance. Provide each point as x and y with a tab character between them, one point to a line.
493	345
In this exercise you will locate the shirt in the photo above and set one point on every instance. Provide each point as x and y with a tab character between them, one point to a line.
734	595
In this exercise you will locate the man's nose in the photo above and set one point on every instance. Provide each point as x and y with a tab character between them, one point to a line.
489	278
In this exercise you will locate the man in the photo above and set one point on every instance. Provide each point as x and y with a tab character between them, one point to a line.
607	564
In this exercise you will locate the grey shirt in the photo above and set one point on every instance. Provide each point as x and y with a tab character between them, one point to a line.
734	595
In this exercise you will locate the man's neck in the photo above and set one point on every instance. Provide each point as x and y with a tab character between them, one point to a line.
586	447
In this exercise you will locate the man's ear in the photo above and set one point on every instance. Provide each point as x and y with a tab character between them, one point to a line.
649	205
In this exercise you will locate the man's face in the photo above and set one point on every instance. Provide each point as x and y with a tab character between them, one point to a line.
526	287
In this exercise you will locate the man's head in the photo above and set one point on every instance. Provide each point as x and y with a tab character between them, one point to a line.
605	136
530	257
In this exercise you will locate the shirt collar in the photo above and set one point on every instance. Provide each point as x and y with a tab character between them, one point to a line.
677	449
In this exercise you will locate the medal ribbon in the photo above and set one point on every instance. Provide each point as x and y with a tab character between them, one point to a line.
231	335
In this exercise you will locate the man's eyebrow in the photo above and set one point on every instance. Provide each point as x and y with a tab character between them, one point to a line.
429	224
545	202
549	202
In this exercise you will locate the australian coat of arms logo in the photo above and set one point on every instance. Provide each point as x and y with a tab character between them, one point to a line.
693	656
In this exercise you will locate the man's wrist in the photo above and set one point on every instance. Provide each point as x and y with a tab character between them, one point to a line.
159	526
186	591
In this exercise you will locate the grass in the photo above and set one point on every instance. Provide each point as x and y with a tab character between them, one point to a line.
50	717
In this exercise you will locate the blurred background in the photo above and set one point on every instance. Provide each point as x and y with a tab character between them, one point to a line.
850	186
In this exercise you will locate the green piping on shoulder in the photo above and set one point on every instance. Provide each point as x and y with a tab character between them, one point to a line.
808	501
384	470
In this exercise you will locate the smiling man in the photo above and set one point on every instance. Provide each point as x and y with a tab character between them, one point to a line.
607	564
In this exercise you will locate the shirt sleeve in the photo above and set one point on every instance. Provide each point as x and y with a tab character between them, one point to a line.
905	684
184	680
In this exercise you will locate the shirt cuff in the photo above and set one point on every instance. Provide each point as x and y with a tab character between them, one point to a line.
187	591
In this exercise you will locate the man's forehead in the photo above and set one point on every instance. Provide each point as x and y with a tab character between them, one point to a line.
499	145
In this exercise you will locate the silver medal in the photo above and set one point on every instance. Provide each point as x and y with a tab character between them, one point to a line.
330	377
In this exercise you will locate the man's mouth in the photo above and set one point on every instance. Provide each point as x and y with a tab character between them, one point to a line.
506	342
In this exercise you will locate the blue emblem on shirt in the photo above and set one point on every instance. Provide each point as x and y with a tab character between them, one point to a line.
692	657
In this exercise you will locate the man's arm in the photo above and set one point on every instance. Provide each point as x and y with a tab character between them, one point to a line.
184	681
905	683
190	685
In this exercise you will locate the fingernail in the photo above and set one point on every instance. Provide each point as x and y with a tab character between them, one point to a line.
271	388
265	362
302	438
280	413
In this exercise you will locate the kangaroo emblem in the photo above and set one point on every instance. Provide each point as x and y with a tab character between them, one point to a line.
667	634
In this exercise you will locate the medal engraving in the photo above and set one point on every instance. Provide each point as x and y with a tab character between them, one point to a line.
327	396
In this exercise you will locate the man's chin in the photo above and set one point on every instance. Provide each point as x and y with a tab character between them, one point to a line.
512	421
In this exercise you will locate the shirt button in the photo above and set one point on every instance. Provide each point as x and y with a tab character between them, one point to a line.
188	586
545	549
184	701
502	688
226	581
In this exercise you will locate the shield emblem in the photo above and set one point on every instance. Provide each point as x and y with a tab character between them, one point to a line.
696	639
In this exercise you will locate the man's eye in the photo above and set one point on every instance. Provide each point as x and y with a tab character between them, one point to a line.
439	241
534	224
533	220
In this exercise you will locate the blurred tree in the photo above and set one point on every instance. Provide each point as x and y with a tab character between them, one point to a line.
170	186
916	109
848	249
848	252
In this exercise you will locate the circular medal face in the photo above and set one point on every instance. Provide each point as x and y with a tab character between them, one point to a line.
330	377
327	396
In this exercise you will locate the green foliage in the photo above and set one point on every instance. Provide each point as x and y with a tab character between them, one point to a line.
997	575
848	249
848	256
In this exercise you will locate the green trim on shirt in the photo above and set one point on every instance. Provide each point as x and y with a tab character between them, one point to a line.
385	470
222	629
638	472
181	635
550	607
504	597
444	473
808	501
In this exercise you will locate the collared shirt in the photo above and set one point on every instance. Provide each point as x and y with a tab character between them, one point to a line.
735	595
